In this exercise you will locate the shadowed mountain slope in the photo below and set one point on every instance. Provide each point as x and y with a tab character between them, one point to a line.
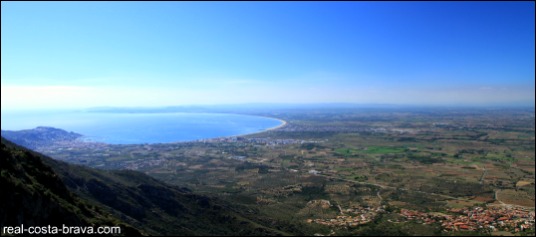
38	190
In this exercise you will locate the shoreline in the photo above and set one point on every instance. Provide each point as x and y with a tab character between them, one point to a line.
86	139
283	124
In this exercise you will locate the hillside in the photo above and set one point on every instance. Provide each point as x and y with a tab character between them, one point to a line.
38	190
39	136
34	195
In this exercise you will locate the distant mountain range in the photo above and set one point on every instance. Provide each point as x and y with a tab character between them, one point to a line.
39	191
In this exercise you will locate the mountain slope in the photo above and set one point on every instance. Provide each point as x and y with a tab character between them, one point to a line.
158	207
33	195
43	191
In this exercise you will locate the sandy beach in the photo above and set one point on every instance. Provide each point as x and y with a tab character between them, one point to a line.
284	123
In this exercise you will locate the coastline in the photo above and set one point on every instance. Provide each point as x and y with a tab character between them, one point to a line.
283	124
87	138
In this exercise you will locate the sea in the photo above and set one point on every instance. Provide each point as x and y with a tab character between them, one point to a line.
140	128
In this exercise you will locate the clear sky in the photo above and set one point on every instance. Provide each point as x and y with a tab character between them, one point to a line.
85	54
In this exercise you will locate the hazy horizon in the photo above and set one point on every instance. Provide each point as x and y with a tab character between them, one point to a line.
59	55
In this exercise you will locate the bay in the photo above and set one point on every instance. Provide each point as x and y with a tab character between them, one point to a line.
140	128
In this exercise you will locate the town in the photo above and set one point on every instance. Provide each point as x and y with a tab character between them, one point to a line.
490	218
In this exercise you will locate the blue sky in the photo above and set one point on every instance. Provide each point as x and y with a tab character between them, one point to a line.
84	54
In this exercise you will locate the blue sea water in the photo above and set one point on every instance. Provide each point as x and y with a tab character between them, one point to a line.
139	128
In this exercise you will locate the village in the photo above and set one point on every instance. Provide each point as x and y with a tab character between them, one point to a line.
351	217
493	218
483	219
